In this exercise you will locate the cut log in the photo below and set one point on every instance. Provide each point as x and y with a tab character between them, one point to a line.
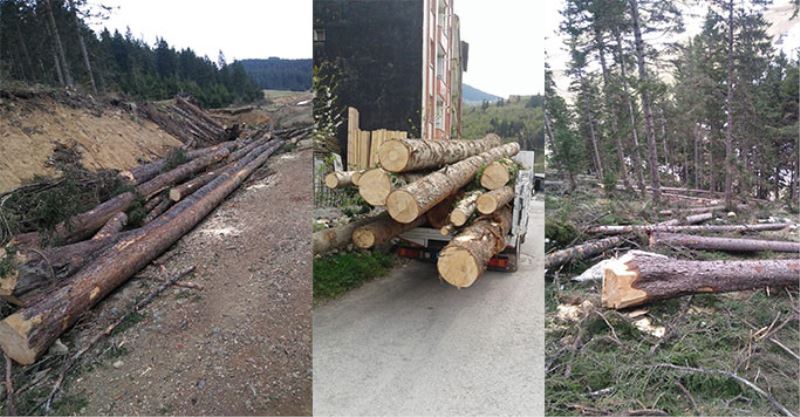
490	202
447	229
26	334
497	174
338	179
332	238
580	252
402	155
150	170
438	216
381	230
180	173
698	218
465	208
411	201
153	202
467	255
375	185
113	226
157	210
741	228
632	280
723	243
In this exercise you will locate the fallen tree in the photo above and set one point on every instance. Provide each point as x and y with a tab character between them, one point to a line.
402	155
467	255
633	280
722	243
411	201
741	228
489	202
580	252
381	230
26	334
376	184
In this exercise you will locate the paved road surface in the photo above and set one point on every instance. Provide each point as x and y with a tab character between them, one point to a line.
408	344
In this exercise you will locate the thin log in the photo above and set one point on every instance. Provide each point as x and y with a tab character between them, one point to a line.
723	243
381	230
113	226
340	179
376	184
490	202
634	280
402	155
439	216
465	208
326	240
11	408
467	255
158	210
579	252
411	201
698	218
741	228
26	334
447	229
150	170
153	202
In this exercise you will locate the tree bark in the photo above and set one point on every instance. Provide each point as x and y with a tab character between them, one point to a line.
413	200
579	252
741	228
402	155
376	184
490	202
381	230
644	91
26	334
635	280
467	255
723	243
465	208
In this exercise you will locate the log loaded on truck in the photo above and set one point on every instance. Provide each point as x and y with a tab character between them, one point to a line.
460	203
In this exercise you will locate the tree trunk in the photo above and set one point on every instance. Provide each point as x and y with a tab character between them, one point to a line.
402	155
583	251
439	216
465	258
465	208
376	184
62	58
697	167
635	280
381	230
332	238
148	171
644	91
82	43
413	200
340	179
601	51
637	155
723	243
741	228
26	334
490	202
729	119
497	174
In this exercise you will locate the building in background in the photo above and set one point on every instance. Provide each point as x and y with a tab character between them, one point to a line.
399	62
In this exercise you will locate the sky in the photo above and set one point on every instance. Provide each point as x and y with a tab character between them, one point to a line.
506	54
785	32
240	28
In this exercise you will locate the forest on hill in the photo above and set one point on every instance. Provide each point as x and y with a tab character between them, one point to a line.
280	74
518	118
717	112
49	42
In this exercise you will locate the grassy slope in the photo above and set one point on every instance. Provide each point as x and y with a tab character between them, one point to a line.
602	363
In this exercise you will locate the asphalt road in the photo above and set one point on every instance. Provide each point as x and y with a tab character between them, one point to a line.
408	344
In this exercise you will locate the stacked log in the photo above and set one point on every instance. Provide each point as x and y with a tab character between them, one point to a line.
403	155
376	184
489	202
187	121
497	174
725	244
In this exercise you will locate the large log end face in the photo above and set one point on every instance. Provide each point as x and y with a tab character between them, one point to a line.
619	278
402	206
14	331
458	267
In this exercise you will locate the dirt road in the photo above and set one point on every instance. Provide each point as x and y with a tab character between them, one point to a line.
240	346
408	344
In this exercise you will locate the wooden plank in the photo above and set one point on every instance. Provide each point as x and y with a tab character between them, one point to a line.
352	138
364	149
378	137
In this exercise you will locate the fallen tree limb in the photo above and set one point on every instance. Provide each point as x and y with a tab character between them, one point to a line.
411	201
402	155
467	255
741	228
634	280
26	334
580	252
722	243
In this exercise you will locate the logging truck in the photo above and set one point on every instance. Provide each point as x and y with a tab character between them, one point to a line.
424	243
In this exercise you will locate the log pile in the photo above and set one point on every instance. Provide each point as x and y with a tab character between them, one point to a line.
100	249
463	188
188	122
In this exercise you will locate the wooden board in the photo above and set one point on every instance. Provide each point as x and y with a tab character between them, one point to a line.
352	138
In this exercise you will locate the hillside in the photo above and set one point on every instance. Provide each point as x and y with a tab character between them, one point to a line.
473	95
279	74
519	118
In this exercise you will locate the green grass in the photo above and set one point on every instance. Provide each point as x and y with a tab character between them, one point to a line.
335	274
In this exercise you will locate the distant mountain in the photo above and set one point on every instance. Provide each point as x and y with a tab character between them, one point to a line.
280	74
474	96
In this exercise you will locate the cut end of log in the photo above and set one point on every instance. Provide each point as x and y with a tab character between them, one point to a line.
14	331
458	267
447	229
356	177
393	156
330	181
458	218
402	206
486	204
127	176
495	176
363	238
375	186
619	276
175	194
